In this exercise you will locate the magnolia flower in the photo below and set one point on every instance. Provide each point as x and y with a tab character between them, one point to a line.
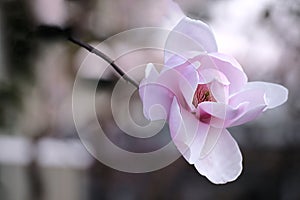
201	92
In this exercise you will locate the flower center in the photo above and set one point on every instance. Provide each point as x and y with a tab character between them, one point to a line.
202	94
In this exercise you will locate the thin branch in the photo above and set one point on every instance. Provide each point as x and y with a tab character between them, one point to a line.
104	57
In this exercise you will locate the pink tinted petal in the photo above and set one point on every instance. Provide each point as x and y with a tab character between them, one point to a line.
157	90
177	127
186	76
247	116
187	132
151	74
224	163
209	74
188	92
275	94
189	73
255	105
226	65
260	96
226	116
210	141
156	100
242	107
189	35
221	111
226	58
219	92
254	97
173	61
199	32
232	70
189	83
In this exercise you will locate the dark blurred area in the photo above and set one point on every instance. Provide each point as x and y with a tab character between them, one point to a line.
41	155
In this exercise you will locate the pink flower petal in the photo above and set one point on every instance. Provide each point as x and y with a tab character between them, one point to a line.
250	114
151	74
226	65
224	163
232	70
157	90
189	82
226	116
254	96
211	140
242	107
187	132
219	92
208	75
275	95
189	36
199	32
256	104
189	73
182	81
188	92
173	61
156	100
221	111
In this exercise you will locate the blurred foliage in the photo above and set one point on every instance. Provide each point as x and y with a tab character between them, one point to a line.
19	43
10	102
19	50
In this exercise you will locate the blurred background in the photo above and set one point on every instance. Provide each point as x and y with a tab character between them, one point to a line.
41	156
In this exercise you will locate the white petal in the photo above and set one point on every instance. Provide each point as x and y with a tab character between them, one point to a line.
275	94
224	163
211	140
156	100
187	132
199	32
221	111
208	75
188	84
254	96
173	60
151	73
255	103
224	116
189	36
219	92
249	114
188	92
231	69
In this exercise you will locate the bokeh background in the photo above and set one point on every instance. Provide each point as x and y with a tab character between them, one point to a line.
41	156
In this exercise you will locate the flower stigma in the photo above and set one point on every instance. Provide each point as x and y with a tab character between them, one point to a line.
202	94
